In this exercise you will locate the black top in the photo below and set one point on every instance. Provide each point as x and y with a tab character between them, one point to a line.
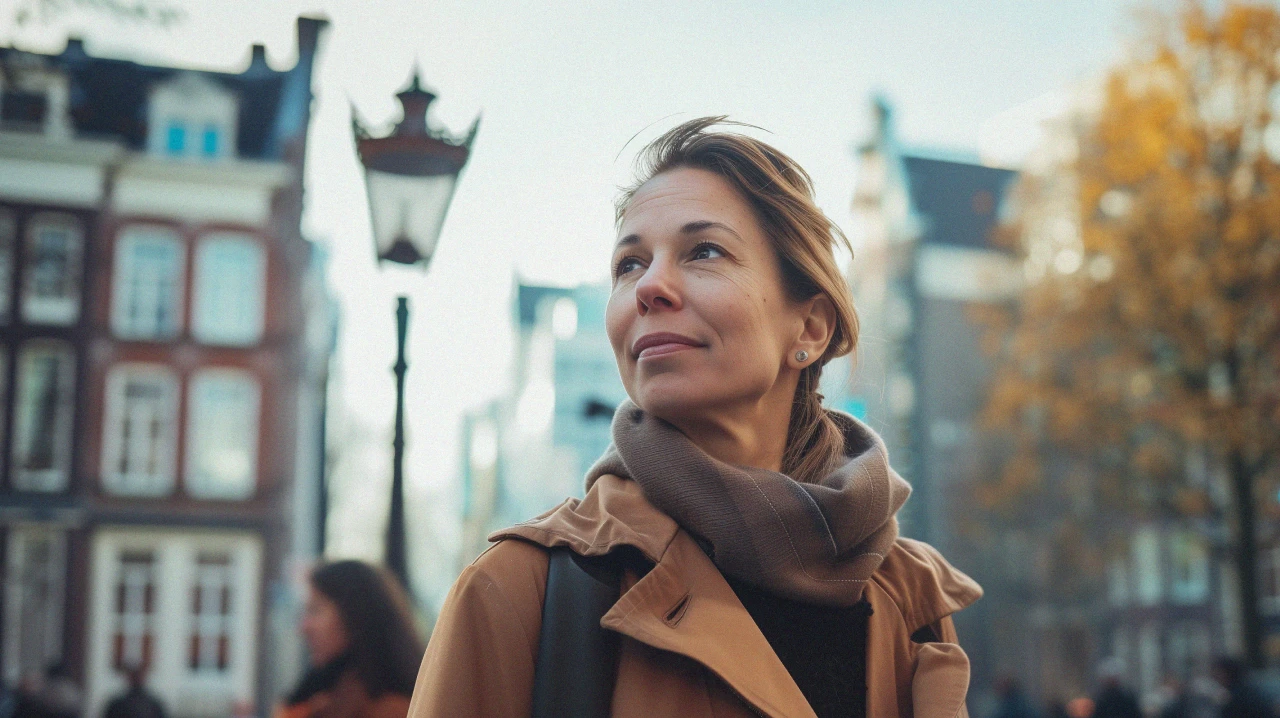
824	648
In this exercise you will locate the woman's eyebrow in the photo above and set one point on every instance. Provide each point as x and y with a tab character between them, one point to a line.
703	225
693	227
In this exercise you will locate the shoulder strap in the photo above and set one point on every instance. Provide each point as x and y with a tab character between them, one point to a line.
577	660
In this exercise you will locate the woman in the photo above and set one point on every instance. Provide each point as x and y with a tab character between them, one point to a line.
364	647
773	581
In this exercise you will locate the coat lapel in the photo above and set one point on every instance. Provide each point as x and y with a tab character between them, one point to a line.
684	605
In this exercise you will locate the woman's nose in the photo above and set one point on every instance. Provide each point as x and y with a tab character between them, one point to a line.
658	289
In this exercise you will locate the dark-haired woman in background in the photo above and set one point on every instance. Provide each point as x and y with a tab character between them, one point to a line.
364	647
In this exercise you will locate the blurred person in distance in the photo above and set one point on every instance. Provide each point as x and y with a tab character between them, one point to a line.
1080	707
1115	699
1186	699
1243	698
53	694
1013	701
363	645
768	573
136	701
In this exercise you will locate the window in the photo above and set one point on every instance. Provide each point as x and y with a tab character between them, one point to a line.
147	287
23	109
51	287
191	115
33	594
176	138
1148	588
139	435
210	145
222	434
1189	566
42	416
230	283
8	237
211	613
135	609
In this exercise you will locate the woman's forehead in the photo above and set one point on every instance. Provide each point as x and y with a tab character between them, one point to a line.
684	194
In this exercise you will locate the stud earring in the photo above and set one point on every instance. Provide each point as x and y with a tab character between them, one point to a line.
802	355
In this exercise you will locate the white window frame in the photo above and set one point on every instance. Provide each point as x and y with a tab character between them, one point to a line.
17	612
127	284
211	625
215	299
201	423
183	690
1148	568
1192	588
57	310
56	477
160	481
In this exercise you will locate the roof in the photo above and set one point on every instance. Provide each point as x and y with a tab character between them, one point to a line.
958	202
108	97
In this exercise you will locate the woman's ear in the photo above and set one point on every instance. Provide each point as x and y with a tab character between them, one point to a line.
815	335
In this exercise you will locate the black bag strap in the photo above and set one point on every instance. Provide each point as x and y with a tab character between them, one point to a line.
577	660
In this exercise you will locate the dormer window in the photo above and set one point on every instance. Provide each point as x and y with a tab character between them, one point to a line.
192	115
33	97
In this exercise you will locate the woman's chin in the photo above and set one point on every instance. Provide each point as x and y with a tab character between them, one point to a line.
673	403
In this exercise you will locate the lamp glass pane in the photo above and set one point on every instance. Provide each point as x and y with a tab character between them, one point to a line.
414	206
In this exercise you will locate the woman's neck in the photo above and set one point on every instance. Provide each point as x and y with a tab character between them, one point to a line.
753	436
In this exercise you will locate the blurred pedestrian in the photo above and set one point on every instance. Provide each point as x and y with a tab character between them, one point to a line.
1182	699
1244	699
363	645
1013	701
1115	699
136	701
754	531
52	694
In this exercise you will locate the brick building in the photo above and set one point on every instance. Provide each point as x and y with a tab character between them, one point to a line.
163	353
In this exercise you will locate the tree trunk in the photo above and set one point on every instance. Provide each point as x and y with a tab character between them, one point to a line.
1246	557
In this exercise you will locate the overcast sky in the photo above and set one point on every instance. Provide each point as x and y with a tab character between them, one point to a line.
563	85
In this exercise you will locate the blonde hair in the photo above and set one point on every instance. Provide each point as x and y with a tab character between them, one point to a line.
803	238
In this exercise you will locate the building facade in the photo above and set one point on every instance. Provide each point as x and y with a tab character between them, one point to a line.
529	450
162	393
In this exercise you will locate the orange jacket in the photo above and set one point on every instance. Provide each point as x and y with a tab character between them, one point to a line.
347	699
689	647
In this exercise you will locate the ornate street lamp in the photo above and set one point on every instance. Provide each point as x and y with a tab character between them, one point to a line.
410	175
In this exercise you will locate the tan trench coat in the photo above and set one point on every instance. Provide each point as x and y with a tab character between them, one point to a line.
689	647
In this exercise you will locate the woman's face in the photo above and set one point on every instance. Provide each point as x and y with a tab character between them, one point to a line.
699	320
322	628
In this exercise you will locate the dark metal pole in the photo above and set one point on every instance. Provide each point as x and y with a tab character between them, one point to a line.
397	560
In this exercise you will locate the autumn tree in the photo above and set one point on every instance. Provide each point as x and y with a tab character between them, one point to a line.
1148	332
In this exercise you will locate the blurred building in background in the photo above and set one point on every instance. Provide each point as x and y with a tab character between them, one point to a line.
928	261
164	335
527	451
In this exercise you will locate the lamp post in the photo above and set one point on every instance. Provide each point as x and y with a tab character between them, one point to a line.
410	175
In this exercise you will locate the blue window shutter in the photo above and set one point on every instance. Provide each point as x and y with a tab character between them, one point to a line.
177	138
211	141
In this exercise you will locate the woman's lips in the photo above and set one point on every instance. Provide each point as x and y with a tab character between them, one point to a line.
661	343
662	349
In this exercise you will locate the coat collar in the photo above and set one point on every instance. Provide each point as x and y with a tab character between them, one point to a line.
684	605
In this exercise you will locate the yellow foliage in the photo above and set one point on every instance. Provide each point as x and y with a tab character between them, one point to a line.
1176	346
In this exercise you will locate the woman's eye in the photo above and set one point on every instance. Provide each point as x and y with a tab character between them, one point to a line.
625	266
707	251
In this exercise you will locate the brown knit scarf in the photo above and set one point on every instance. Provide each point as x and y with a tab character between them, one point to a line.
816	542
